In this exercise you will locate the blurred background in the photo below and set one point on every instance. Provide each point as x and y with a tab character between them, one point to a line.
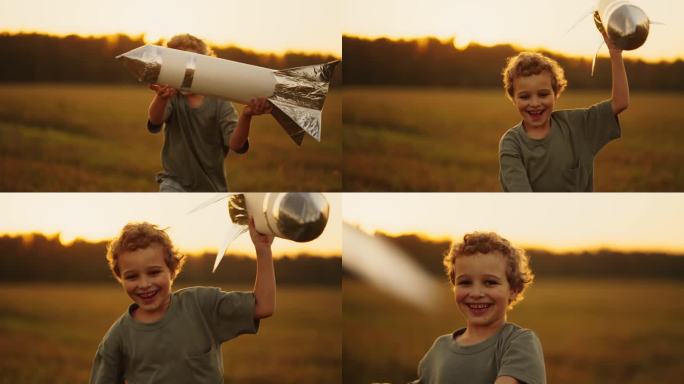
423	91
58	297
606	301
73	119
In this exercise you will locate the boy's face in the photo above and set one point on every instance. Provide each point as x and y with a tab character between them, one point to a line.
534	98
481	289
147	279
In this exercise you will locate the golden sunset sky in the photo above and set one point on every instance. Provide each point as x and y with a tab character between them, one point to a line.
100	216
530	24
560	222
261	25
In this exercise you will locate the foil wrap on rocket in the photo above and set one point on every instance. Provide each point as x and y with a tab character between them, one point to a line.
299	217
296	94
625	24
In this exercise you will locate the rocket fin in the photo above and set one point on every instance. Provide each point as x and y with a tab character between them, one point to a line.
298	99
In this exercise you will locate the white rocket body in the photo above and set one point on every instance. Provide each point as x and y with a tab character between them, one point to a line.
192	72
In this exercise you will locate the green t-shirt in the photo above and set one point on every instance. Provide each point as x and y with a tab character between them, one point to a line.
183	347
513	351
196	143
563	161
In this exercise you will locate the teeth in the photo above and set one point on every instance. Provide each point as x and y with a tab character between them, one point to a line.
478	306
147	295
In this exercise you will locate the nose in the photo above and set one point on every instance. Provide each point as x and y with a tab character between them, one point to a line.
477	291
535	101
145	282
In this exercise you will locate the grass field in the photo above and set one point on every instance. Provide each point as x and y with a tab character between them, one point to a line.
416	139
94	138
592	331
49	334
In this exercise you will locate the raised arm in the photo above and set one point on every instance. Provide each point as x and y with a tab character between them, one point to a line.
620	92
255	107
264	284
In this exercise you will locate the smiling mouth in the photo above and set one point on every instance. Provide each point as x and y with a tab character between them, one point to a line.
148	295
478	308
536	113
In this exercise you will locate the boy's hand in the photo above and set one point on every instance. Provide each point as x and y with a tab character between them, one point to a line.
257	106
163	91
606	39
260	240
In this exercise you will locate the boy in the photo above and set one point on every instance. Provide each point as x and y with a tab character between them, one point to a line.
199	131
554	151
175	337
488	276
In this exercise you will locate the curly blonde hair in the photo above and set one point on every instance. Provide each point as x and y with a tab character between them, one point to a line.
532	63
188	42
518	272
134	236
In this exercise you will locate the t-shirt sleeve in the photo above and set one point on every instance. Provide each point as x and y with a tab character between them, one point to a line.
523	359
600	125
227	120
108	365
232	313
512	172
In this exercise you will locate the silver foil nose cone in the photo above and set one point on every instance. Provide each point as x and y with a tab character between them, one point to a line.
301	217
143	62
628	27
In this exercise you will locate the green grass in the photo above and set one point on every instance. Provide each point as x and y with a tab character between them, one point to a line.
592	331
49	334
67	137
417	139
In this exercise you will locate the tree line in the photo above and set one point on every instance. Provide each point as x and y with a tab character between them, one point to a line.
43	58
432	62
600	264
38	258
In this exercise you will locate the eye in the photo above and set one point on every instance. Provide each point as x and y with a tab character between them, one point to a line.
153	273
463	282
130	277
491	282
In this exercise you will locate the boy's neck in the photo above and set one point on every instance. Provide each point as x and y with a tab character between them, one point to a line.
477	334
537	133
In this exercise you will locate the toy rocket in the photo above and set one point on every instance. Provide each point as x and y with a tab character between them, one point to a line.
626	24
296	94
299	217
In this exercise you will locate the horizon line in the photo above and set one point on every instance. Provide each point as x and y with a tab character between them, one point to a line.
452	39
142	36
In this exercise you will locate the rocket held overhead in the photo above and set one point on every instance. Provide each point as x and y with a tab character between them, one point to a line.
297	94
626	24
299	217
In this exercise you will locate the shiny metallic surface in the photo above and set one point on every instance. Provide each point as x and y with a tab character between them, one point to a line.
298	98
627	25
144	63
237	209
301	217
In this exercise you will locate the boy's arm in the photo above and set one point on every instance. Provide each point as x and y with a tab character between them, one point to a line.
257	106
620	91
158	105
264	284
